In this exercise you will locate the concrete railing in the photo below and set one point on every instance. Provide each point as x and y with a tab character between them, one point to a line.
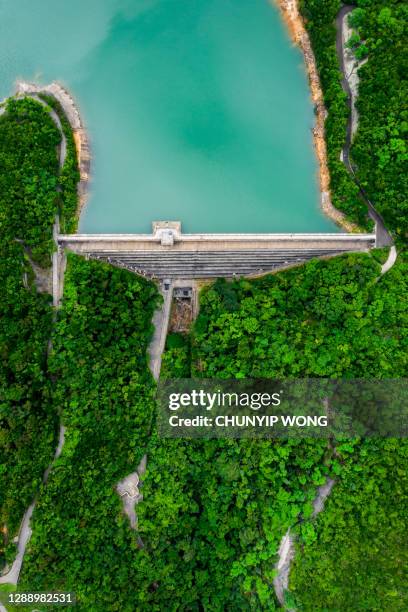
88	243
167	253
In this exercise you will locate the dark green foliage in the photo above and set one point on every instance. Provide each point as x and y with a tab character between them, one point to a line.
175	340
28	204
105	394
212	517
320	18
380	255
69	173
359	560
327	318
28	176
27	423
213	512
177	357
380	148
99	357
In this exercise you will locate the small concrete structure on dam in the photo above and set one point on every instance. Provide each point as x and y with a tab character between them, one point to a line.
167	253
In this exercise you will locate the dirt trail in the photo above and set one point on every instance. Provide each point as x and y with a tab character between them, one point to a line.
348	83
286	550
12	576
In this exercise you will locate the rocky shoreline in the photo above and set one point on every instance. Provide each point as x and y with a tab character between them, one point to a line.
300	37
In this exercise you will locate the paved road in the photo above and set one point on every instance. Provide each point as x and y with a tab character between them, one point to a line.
383	236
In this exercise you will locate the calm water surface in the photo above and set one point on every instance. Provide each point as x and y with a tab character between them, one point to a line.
198	110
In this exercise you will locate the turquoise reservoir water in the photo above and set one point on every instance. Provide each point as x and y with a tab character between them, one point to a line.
198	110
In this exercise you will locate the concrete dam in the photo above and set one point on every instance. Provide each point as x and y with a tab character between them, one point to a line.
169	254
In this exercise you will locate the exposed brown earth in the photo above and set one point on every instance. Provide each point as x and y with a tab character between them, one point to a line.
181	316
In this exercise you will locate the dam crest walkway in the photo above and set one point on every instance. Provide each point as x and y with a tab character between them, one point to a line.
169	254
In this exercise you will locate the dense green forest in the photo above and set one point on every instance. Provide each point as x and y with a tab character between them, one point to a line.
33	189
332	318
379	151
27	421
29	177
212	517
201	505
105	394
358	559
28	204
213	512
69	174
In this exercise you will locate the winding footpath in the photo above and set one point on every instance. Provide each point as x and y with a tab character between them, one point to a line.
286	550
161	317
12	576
24	535
383	236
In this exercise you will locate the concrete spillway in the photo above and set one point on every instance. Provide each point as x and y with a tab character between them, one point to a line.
169	254
208	264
